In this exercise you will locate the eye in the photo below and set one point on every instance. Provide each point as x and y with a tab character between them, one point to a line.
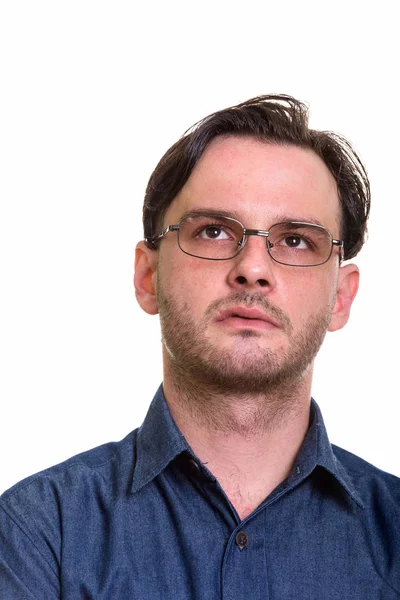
209	229
213	232
295	241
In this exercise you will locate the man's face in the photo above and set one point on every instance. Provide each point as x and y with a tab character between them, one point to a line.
207	307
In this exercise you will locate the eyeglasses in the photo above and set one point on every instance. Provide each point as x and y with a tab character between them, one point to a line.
214	237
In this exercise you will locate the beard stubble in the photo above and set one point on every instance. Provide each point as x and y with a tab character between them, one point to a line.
247	369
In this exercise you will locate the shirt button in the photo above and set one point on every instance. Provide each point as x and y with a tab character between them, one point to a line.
194	466
242	539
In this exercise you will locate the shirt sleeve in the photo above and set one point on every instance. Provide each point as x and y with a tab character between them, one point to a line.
25	572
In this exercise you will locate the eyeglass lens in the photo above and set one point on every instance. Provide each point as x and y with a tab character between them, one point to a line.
221	238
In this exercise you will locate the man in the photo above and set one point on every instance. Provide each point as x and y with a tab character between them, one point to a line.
230	488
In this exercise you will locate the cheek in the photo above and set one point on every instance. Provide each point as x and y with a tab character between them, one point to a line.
189	279
305	295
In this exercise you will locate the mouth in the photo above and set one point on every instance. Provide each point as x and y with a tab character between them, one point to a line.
245	318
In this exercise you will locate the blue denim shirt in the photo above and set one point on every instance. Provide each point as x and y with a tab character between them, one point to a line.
144	519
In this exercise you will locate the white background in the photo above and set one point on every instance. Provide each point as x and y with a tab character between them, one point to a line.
92	94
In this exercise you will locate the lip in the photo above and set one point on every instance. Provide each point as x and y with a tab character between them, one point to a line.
242	317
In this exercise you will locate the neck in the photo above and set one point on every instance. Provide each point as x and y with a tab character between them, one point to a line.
249	441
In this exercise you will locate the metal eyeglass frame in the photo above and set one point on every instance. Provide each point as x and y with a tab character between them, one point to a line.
151	242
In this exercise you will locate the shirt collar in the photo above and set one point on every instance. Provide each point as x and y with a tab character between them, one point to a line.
159	441
316	451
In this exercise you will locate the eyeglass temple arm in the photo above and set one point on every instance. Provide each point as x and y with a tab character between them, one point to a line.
339	243
151	242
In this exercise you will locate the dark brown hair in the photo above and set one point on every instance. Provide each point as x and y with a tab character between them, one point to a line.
276	119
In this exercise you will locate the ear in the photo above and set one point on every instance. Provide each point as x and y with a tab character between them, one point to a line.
347	287
145	279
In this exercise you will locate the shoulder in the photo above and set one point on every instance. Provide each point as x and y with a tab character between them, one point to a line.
365	475
97	463
37	512
378	490
38	505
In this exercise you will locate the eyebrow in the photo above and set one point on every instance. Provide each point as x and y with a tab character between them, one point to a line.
281	218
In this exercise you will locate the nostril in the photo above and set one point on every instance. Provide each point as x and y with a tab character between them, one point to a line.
241	279
262	282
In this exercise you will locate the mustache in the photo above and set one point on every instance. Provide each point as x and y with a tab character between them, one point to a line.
252	300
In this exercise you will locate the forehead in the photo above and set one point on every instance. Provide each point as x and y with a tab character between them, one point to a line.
260	183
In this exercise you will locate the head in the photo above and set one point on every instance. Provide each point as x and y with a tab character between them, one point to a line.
260	163
274	119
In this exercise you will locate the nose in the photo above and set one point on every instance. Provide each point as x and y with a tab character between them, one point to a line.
253	267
